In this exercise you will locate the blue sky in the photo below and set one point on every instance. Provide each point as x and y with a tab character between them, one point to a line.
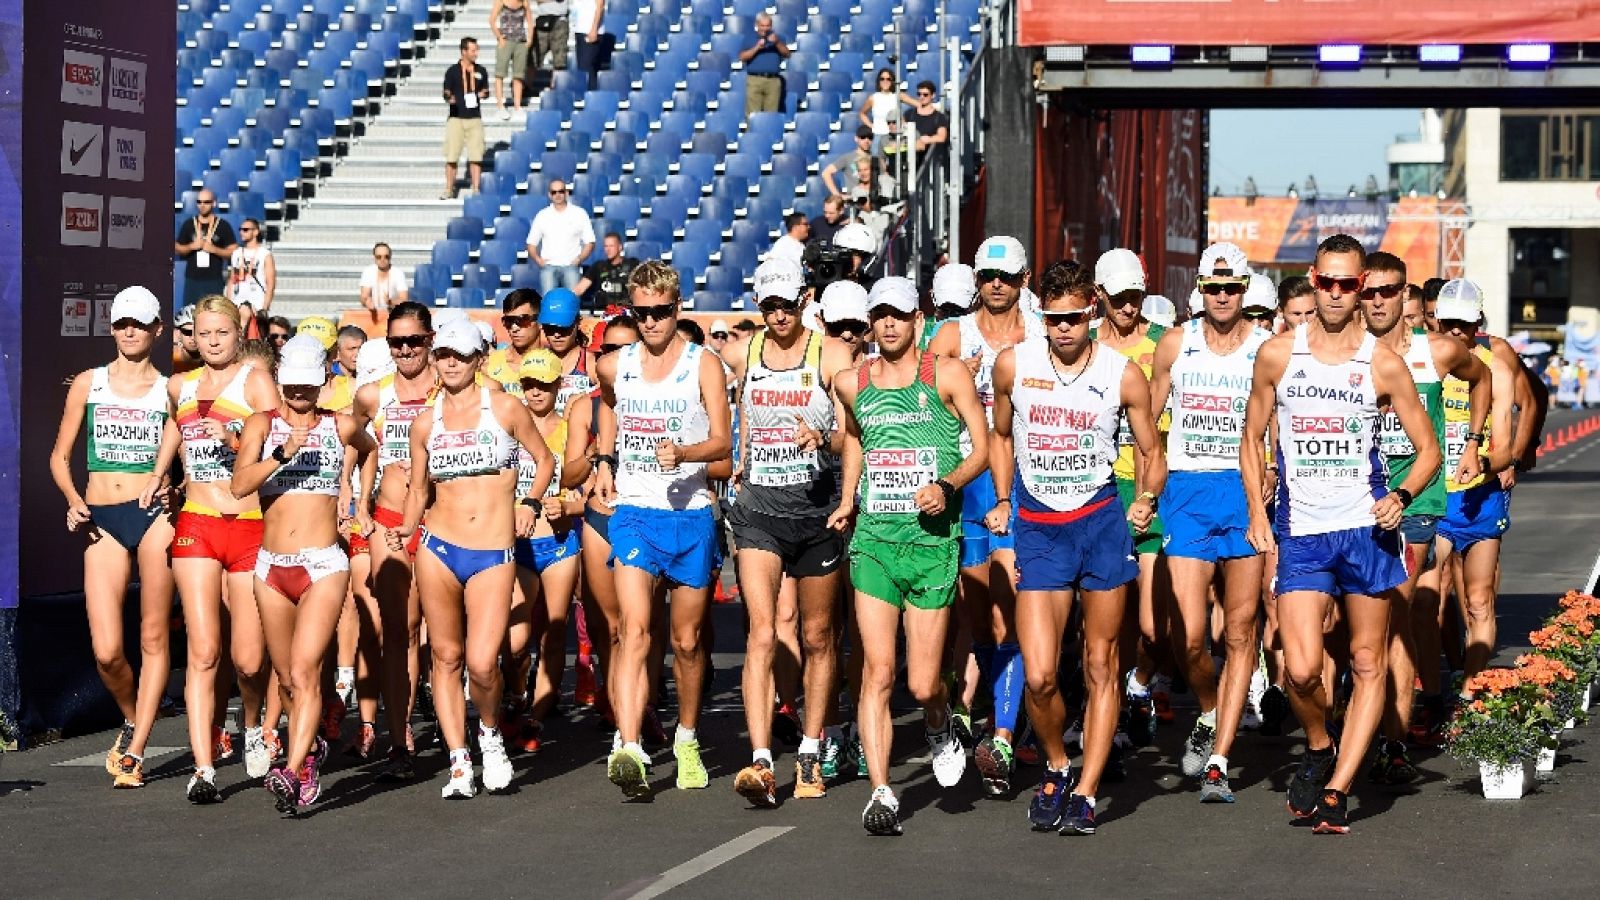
1340	147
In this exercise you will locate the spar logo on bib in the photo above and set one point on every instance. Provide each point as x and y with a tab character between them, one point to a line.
1325	424
1218	403
455	440
645	424
1060	443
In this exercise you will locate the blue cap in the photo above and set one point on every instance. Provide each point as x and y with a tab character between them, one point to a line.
559	308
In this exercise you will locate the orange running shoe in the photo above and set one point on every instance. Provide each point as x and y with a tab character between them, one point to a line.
221	744
130	772
808	783
332	716
587	687
757	784
269	736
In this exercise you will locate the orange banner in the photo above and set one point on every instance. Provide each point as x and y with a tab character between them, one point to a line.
1232	22
1285	231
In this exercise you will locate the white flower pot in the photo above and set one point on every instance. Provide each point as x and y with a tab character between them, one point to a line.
1546	763
1503	782
1588	695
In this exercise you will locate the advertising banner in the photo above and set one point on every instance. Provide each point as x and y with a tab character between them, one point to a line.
1232	22
1286	230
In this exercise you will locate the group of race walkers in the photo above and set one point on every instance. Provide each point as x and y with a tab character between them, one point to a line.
1061	505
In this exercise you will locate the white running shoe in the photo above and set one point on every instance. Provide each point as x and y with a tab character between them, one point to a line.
1072	735
496	764
257	758
460	785
505	113
1251	719
949	758
344	685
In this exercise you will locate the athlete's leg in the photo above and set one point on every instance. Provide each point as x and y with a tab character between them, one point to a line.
760	573
690	607
400	621
443	608
488	608
369	655
1191	589
199	583
925	632
629	678
516	657
819	639
248	648
1103	613
106	571
557	583
877	622
1041	618
1368	622
1478	567
1301	618
787	661
155	625
1402	656
315	626
600	597
1426	611
1241	614
278	616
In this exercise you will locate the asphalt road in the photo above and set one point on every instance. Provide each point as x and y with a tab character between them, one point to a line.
562	832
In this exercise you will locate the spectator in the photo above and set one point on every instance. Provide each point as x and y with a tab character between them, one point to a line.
185	351
691	331
347	349
466	86
880	112
550	32
584	17
792	245
278	331
763	86
872	187
383	284
605	284
825	226
845	163
746	327
252	275
933	126
206	243
717	337
559	240
510	25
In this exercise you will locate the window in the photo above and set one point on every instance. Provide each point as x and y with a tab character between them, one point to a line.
1547	146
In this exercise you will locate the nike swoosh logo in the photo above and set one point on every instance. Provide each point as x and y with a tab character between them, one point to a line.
827	563
75	153
762	377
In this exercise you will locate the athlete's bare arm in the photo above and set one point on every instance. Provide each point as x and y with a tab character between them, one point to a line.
61	453
1161	370
513	415
1002	443
605	485
1451	358
1503	381
1149	461
960	395
1271	361
417	491
1396	389
844	391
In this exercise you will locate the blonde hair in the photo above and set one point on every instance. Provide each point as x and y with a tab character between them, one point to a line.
222	306
655	276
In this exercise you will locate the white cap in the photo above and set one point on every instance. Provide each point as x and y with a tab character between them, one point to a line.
1002	253
485	331
1118	270
855	236
458	336
1159	310
302	361
135	303
1460	300
449	314
1261	293
718	325
894	292
779	277
844	301
1224	256
811	317
954	284
373	362
184	316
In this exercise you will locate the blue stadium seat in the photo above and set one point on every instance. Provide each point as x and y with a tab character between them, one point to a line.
671	208
431	277
655	231
622	208
718	209
483	205
485	278
556	164
724	280
703	231
452	254
642	250
509	228
525	275
698	165
526	206
710	143
463	228
465	298
493	184
247	205
270	186
741	257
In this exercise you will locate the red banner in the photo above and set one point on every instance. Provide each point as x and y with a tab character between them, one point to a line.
1229	22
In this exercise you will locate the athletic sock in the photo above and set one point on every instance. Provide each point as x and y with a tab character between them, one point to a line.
1009	683
810	745
1209	718
344	674
762	754
1137	688
487	730
682	735
1219	761
633	747
461	755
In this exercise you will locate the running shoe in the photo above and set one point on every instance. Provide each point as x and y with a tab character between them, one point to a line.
497	769
961	721
832	750
1197	749
203	788
119	746
1072	736
344	687
586	690
949	760
786	726
1308	780
310	775
460	786
531	737
1332	815
1141	719
691	771
1161	698
808	780
653	733
995	761
1214	787
365	740
398	767
257	759
1251	718
332	716
882	815
285	791
221	744
858	752
1116	759
1397	767
269	736
630	771
1428	721
1049	804
1080	816
757	784
1026	746
1274	711
130	772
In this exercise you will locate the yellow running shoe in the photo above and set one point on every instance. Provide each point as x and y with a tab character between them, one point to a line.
119	746
691	771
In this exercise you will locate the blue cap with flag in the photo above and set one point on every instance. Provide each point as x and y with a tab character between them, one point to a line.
1004	254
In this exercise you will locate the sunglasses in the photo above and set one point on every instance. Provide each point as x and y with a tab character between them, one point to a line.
607	348
1260	315
846	326
380	257
186	332
924	94
277	337
205	202
655	313
885	77
1386	291
1071	318
408	342
719	335
555	192
1231	288
778	304
1461	325
511	322
557	330
1348	285
987	275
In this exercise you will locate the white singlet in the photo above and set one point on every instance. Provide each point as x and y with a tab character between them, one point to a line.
124	432
484	449
392	423
973	344
313	470
1064	427
671	408
1330	471
773	398
1207	401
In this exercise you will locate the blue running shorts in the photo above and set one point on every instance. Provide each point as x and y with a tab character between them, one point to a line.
1366	561
541	553
1206	516
677	545
1481	513
1091	553
978	543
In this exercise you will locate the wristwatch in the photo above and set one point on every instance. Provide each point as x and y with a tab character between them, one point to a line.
280	456
1475	437
948	488
1404	495
606	458
1150	496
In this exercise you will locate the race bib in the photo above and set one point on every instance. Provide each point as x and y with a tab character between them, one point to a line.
895	476
125	436
1209	425
775	460
395	443
205	458
636	447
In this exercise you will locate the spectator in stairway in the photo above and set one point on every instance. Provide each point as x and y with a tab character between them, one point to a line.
605	283
205	241
584	17
551	29
559	240
510	24
279	330
763	86
792	245
252	276
383	284
873	187
833	218
844	165
880	112
933	126
466	86
717	338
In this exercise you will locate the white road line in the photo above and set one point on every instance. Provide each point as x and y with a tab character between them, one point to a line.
705	862
97	760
